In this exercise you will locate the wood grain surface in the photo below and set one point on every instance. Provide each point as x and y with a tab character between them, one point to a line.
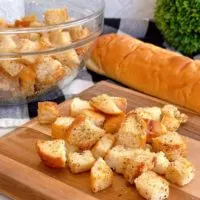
23	176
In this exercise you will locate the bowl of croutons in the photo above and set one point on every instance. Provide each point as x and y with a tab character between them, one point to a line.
47	47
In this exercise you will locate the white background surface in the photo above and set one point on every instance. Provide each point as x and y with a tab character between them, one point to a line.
114	9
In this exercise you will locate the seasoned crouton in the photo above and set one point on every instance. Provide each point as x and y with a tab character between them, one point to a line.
142	161
78	32
152	186
71	148
133	132
103	145
120	102
78	105
101	176
52	153
60	126
117	158
152	113
172	118
161	163
47	112
106	104
113	123
172	144
56	16
95	117
83	133
7	43
60	37
154	129
180	172
80	162
44	41
12	67
25	21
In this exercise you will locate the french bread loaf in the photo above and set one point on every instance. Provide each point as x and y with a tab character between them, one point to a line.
148	68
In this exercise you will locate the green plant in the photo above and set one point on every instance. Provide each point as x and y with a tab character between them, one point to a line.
179	22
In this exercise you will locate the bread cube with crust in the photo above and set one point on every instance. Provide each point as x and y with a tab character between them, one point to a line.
143	160
102	147
7	43
95	117
60	126
113	123
151	113
172	144
83	133
152	186
52	153
78	32
78	105
109	105
101	176
47	112
180	172
60	37
133	132
80	162
56	16
161	163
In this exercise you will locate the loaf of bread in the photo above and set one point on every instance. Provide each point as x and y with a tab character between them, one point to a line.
147	68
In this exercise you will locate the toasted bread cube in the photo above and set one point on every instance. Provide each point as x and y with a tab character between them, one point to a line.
78	32
142	161
60	126
71	148
60	37
154	129
106	104
101	176
12	67
172	118
133	132
80	162
52	153
7	43
95	117
83	133
152	186
118	157
44	41
102	147
78	105
152	113
25	21
180	172
172	144
161	163
120	102
56	16
113	123
47	112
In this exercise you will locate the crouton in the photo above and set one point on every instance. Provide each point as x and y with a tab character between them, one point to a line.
80	162
78	105
120	102
3	23
60	126
152	113
106	104
101	176
103	145
60	37
133	132
172	144
180	172
113	123
71	148
44	41
152	186
172	118
78	33
154	129
12	67
52	153
56	16
95	117
25	21
30	36
161	163
48	72
47	112
7	43
117	158
83	133
142	161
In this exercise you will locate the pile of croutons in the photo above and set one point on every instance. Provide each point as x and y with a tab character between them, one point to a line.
100	136
27	75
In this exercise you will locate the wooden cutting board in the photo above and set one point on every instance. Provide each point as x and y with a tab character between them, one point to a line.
23	176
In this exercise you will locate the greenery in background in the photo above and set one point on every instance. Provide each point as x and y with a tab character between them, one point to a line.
179	22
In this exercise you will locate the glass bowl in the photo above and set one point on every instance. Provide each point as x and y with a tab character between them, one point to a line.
36	55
